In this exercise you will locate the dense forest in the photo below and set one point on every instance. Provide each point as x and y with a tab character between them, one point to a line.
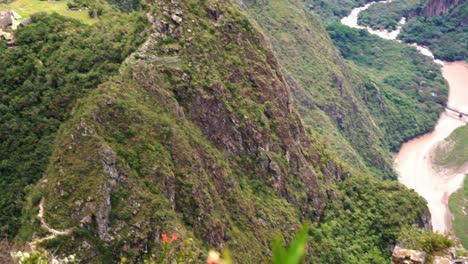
445	35
412	85
333	10
387	15
55	61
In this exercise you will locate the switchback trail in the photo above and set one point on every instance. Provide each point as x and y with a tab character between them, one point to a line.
54	232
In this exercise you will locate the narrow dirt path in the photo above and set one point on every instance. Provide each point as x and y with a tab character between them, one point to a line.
50	229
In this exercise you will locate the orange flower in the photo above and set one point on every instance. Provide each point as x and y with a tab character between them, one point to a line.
167	240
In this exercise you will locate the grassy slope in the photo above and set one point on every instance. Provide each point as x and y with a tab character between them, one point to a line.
28	7
453	152
323	87
200	156
355	105
458	206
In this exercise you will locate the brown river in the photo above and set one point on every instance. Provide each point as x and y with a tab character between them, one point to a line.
413	161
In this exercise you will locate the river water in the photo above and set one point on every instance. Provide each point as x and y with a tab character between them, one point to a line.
413	161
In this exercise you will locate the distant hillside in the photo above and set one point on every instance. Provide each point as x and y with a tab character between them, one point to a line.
446	35
365	106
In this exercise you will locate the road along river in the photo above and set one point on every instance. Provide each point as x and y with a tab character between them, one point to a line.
413	161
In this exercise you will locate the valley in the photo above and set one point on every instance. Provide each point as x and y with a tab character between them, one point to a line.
413	161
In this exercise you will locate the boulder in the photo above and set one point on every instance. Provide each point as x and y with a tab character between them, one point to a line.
177	19
442	260
408	256
6	19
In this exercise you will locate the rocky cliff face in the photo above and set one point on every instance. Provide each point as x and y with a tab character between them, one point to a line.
438	7
407	256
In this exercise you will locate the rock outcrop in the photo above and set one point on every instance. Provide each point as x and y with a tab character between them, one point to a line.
408	256
6	19
438	7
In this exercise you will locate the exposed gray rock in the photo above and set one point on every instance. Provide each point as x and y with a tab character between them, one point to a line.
108	163
6	19
408	256
108	159
86	220
177	19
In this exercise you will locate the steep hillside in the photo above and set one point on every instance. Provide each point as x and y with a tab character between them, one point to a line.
199	136
365	108
323	87
55	61
209	147
406	90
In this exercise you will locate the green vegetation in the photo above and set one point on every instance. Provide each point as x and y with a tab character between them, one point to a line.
208	148
296	250
28	7
167	134
358	225
387	15
101	5
195	136
405	91
446	35
85	11
354	105
333	10
458	205
452	153
56	61
428	241
324	89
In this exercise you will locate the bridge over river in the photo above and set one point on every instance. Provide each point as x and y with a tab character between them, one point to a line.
453	111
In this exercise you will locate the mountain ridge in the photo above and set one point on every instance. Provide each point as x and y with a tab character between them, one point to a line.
199	135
